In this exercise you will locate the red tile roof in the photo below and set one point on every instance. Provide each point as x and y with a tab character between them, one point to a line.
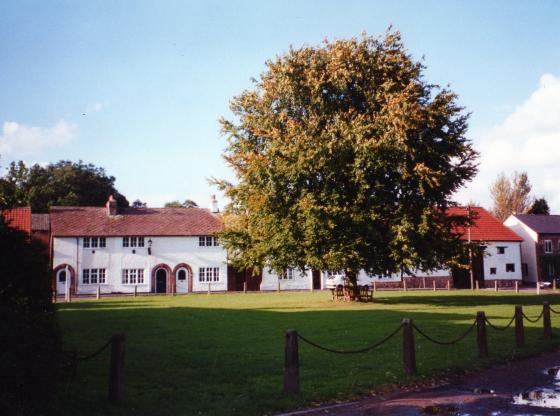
40	222
485	228
94	221
19	218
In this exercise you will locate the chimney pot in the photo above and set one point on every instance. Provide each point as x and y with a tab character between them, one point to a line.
214	204
111	206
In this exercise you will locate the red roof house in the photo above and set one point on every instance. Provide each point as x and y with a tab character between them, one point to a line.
18	218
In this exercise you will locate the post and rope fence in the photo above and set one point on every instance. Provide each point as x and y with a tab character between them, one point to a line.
291	354
116	367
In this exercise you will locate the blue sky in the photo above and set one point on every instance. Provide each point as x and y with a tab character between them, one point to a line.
137	87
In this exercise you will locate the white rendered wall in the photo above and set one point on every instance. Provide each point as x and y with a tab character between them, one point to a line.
165	250
528	246
300	281
512	254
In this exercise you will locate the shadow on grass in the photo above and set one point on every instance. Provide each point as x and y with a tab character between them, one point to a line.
468	300
201	360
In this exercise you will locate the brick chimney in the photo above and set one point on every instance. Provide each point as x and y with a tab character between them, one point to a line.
111	206
214	204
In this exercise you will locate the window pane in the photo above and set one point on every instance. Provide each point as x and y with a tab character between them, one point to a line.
133	242
102	242
93	242
140	241
101	275
140	276
125	242
86	242
93	276
201	241
85	276
208	240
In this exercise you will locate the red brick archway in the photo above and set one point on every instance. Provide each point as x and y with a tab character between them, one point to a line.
189	275
170	287
72	277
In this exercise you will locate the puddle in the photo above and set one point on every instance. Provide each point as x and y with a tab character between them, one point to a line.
542	397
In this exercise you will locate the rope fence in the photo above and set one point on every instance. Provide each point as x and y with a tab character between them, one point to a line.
291	358
368	348
454	341
116	366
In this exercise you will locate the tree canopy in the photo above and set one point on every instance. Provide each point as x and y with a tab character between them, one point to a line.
187	203
511	195
61	183
540	206
345	158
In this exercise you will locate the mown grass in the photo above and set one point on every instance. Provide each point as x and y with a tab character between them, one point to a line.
223	354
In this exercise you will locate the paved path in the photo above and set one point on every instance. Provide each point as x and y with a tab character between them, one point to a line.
488	392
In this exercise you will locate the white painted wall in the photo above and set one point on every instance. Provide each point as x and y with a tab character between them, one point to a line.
300	281
512	254
168	250
528	246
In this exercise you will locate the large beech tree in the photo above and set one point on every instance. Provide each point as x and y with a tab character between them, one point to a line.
345	158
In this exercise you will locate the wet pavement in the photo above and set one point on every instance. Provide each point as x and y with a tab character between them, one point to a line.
520	388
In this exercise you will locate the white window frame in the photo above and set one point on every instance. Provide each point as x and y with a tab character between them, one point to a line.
501	248
86	242
132	276
94	276
547	244
208	241
133	241
208	274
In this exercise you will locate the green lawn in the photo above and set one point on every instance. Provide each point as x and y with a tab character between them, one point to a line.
223	354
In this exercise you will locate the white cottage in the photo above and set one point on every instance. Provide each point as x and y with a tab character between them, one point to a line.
120	250
499	263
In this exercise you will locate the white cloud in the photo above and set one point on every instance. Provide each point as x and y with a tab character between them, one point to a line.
526	140
19	139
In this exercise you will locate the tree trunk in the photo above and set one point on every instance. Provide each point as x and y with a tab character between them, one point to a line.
352	282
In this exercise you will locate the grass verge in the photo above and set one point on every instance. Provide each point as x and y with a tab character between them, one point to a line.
223	354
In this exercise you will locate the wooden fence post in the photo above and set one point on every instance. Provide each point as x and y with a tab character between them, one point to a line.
547	327
554	284
404	284
245	287
519	330
449	285
54	296
374	286
98	292
291	363
434	284
516	286
495	285
477	285
409	354
116	373
423	282
538	288
278	288
481	340
209	290
135	290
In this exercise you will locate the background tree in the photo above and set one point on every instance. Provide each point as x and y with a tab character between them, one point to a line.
511	196
540	206
138	204
187	203
345	159
30	340
61	183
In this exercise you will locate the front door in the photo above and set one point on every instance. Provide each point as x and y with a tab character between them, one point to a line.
161	281
62	279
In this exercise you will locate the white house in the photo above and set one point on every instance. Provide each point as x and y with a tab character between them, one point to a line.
120	250
540	248
500	261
